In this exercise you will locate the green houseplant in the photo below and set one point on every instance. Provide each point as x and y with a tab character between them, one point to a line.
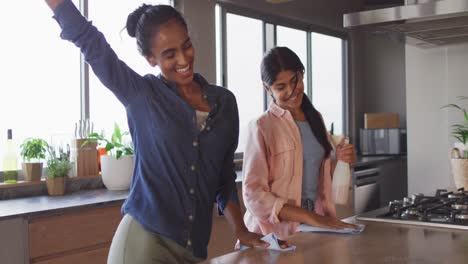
460	130
117	166
114	146
33	151
57	170
459	163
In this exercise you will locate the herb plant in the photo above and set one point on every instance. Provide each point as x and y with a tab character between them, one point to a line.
33	149
57	166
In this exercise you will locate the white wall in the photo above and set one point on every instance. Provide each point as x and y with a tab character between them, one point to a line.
434	77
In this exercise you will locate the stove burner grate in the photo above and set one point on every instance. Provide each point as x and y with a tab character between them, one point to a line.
444	207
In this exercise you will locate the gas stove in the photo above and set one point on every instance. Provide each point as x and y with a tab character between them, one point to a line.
445	209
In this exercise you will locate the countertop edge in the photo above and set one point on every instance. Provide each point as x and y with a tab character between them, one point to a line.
48	205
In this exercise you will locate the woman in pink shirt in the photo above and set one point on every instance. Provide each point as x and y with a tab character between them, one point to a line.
288	168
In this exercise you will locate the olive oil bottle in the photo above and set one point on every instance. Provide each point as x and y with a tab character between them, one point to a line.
10	160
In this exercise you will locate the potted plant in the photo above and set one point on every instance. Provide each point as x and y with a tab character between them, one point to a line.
57	171
460	131
33	151
117	166
458	161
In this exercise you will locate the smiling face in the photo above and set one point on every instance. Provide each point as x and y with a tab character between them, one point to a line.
172	51
287	89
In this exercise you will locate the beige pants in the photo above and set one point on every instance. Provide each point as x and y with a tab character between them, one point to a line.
133	244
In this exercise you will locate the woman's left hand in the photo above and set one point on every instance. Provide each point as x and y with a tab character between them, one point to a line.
250	239
346	153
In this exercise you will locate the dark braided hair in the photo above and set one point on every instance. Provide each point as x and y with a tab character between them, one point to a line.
283	59
143	24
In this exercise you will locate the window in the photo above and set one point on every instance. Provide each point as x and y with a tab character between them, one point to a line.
241	42
102	101
219	60
243	68
296	40
40	85
327	79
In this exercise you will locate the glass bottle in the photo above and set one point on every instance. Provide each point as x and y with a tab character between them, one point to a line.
10	160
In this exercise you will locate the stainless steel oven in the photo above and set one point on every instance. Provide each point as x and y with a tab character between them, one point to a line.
366	189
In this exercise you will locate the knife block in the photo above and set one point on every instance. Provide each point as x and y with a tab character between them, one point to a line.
85	157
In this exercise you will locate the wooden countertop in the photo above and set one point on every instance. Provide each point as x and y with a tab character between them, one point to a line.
40	205
379	243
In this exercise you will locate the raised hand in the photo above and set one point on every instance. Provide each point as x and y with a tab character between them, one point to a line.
53	3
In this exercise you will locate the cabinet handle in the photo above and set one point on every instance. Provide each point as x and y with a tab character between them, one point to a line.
366	173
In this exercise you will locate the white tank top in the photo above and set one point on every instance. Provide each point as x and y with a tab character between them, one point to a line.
201	119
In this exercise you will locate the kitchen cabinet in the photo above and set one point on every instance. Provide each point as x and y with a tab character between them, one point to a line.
394	180
378	182
98	255
76	227
13	242
73	237
367	188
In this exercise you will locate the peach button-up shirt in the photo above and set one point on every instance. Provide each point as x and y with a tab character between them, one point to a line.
272	174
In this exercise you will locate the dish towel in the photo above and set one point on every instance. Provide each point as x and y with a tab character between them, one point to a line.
308	228
272	239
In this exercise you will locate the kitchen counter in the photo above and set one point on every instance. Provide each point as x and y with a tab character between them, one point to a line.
39	205
379	243
44	204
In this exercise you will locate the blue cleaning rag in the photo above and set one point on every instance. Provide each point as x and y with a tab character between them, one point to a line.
308	228
272	239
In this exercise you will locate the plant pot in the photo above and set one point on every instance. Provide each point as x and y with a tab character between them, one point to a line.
117	174
459	169
32	171
463	148
55	186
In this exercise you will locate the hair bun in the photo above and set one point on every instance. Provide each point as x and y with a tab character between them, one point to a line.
134	17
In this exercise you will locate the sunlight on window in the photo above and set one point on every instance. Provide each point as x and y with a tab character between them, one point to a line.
327	79
105	109
40	85
296	40
219	60
244	54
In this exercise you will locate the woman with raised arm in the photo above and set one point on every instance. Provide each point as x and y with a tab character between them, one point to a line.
184	130
287	161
